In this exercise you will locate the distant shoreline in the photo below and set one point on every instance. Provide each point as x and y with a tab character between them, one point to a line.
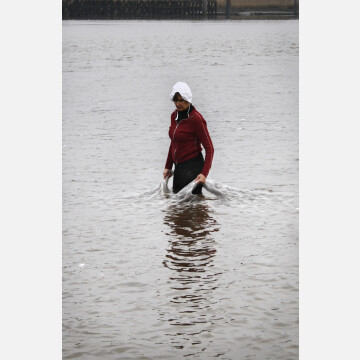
258	15
176	10
220	17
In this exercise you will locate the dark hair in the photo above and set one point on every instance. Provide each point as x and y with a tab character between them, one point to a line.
176	96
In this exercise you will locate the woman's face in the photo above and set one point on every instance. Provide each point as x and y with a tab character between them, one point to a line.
180	103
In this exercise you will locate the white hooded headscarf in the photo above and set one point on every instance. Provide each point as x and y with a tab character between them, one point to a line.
183	89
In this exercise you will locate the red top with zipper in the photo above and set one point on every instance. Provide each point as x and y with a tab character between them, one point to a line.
186	139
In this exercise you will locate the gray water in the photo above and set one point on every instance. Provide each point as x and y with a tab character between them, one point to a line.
151	275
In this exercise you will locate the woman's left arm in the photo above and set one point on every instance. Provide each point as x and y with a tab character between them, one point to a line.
204	136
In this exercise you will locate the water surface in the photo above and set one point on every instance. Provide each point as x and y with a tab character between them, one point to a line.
150	275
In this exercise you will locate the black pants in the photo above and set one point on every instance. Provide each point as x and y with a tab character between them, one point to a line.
186	172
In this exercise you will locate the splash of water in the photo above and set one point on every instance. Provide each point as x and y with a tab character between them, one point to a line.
222	192
216	191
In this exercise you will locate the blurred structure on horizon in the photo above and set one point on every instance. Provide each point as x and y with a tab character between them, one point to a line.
179	9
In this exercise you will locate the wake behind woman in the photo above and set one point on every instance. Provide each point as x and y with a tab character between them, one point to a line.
188	131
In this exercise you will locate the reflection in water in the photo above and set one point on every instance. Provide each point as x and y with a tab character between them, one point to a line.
193	277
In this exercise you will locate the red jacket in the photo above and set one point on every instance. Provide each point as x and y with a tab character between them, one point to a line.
186	139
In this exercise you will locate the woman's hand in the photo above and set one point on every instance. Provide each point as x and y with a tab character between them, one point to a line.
200	179
167	173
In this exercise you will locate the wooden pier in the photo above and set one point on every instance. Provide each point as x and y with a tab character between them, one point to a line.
138	9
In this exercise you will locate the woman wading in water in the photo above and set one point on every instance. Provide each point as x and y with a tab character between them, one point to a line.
187	132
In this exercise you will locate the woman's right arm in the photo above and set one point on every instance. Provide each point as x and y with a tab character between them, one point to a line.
169	163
